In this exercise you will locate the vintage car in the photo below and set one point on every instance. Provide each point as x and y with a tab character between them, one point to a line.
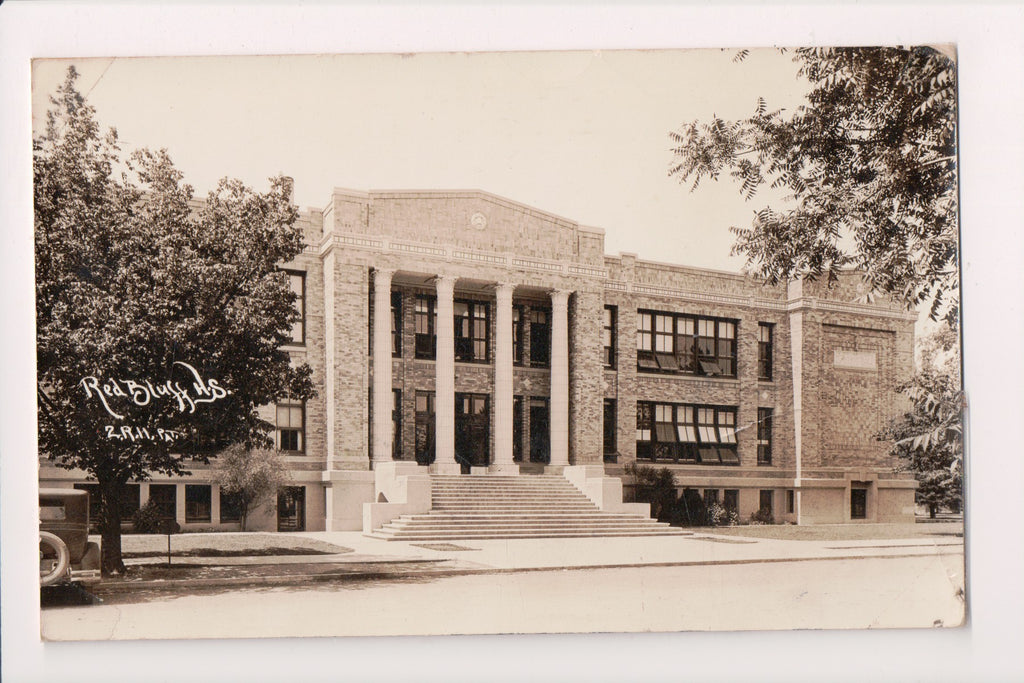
65	552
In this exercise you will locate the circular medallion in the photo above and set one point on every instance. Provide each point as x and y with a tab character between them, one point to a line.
478	221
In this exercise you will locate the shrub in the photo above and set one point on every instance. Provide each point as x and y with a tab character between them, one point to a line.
657	487
146	519
762	516
716	515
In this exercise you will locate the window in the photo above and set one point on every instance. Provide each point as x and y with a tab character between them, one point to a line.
731	500
291	508
290	427
425	427
396	424
471	331
517	428
688	433
644	427
426	327
610	442
230	507
297	283
673	343
710	497
645	342
197	503
608	336
764	350
858	501
396	324
764	436
165	498
765	503
790	501
540	337
517	335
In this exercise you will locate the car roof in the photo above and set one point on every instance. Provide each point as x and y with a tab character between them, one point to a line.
62	492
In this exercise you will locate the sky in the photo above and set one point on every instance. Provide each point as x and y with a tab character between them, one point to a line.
581	134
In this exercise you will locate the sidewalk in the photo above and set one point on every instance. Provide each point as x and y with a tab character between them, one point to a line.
376	559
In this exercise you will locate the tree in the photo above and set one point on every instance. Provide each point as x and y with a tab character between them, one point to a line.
250	477
159	320
870	162
928	438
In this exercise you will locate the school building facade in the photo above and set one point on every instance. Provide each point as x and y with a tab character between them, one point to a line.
458	332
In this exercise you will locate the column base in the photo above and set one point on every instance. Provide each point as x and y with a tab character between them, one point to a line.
503	468
446	468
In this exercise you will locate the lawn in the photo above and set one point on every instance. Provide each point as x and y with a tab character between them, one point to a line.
224	545
841	532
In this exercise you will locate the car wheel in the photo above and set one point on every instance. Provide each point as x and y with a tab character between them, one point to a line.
52	570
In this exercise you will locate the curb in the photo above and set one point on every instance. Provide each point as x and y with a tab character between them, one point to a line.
363	574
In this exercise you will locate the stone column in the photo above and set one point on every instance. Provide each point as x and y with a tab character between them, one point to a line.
444	396
382	397
503	460
559	380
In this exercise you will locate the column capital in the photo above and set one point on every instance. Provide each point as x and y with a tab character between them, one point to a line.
559	297
383	273
444	282
504	289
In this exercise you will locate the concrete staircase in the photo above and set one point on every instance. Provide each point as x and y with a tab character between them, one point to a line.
495	507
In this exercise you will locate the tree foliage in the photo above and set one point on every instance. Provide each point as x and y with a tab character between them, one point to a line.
138	287
928	438
250	477
870	167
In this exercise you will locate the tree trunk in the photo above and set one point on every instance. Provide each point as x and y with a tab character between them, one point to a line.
111	563
931	511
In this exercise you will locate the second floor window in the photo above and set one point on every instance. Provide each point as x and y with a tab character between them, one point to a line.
297	283
540	337
667	342
426	327
472	329
764	350
608	336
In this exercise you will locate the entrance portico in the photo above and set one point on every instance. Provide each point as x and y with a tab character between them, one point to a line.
466	312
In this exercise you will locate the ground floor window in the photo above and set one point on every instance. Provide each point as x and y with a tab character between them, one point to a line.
197	503
425	427
230	507
610	442
130	497
731	500
859	502
686	433
291	508
517	428
791	501
165	498
765	506
396	424
291	418
540	430
710	497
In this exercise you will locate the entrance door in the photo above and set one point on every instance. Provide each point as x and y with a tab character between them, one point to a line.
540	432
291	508
472	430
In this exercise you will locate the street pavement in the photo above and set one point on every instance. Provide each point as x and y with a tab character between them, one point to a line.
374	558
